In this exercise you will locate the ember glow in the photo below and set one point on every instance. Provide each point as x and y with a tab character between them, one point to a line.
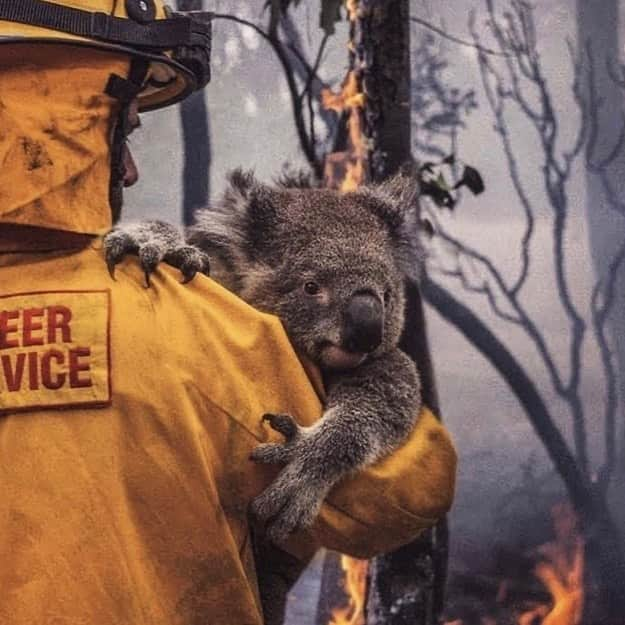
561	570
347	170
559	567
356	590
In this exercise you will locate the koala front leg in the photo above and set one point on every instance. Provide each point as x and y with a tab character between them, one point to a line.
370	410
154	242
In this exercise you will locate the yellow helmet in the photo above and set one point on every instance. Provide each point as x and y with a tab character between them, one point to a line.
174	47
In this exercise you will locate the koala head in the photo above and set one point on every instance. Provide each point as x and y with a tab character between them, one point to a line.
332	266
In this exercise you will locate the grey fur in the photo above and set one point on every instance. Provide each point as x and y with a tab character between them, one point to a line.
268	244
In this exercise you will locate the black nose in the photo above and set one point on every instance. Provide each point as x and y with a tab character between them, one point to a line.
363	323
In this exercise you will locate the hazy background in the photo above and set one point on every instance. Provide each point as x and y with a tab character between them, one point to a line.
251	126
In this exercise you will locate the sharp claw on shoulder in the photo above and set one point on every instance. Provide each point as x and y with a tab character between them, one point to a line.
187	277
148	282
282	423
110	264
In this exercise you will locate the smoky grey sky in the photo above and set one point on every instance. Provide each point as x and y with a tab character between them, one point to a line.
251	126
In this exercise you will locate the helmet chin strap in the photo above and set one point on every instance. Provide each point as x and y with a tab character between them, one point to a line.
124	90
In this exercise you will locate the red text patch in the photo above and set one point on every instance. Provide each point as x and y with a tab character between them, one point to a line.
54	350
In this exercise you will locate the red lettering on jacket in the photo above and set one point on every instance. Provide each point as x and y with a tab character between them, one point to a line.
32	326
59	318
33	371
12	376
76	367
52	380
7	328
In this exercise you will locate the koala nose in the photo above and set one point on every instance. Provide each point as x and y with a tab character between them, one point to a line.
364	323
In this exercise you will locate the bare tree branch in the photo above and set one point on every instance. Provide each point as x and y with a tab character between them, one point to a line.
271	36
446	35
481	337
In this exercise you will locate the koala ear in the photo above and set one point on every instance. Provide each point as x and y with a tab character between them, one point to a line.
237	227
249	198
396	203
402	190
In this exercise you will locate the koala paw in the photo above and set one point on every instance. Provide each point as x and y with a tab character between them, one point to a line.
279	453
292	502
154	242
190	260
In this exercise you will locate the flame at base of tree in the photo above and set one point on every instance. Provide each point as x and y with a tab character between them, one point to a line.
347	170
356	590
560	569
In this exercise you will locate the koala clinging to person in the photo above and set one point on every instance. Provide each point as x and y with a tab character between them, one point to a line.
332	267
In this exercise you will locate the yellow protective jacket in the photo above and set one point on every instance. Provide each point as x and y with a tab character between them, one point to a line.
128	415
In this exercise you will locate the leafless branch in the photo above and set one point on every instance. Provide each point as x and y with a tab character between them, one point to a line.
272	37
515	35
602	303
458	40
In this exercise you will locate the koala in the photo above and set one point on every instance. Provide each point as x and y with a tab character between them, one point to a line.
332	267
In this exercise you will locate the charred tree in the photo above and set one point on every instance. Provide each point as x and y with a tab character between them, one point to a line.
598	33
407	586
196	143
602	90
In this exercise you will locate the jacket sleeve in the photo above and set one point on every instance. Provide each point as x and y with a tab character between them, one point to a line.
391	503
252	370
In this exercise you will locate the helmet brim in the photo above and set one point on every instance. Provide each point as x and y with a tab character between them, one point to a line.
154	96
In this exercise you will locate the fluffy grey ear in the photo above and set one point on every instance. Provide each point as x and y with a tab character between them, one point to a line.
402	190
295	179
236	228
249	198
396	203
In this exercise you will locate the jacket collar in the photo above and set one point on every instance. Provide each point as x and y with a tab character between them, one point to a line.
31	239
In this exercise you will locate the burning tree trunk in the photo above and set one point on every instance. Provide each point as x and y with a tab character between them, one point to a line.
405	586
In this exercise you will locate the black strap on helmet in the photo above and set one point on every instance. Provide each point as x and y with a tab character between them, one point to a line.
184	35
125	90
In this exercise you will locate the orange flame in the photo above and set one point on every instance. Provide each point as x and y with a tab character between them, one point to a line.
347	170
356	589
352	9
562	570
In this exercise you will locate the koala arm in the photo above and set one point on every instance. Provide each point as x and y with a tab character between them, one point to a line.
382	507
154	242
369	412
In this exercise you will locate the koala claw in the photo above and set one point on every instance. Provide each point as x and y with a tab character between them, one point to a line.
190	261
110	265
283	423
289	504
154	242
187	277
117	244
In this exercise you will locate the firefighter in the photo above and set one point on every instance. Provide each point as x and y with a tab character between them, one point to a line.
128	414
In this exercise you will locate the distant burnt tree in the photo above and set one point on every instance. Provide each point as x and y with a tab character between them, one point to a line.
196	143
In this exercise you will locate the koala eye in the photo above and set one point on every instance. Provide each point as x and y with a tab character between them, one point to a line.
311	288
387	296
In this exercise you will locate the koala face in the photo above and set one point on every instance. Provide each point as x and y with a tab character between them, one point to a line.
339	306
331	266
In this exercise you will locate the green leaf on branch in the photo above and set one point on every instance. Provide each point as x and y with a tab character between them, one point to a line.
471	179
442	183
434	184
